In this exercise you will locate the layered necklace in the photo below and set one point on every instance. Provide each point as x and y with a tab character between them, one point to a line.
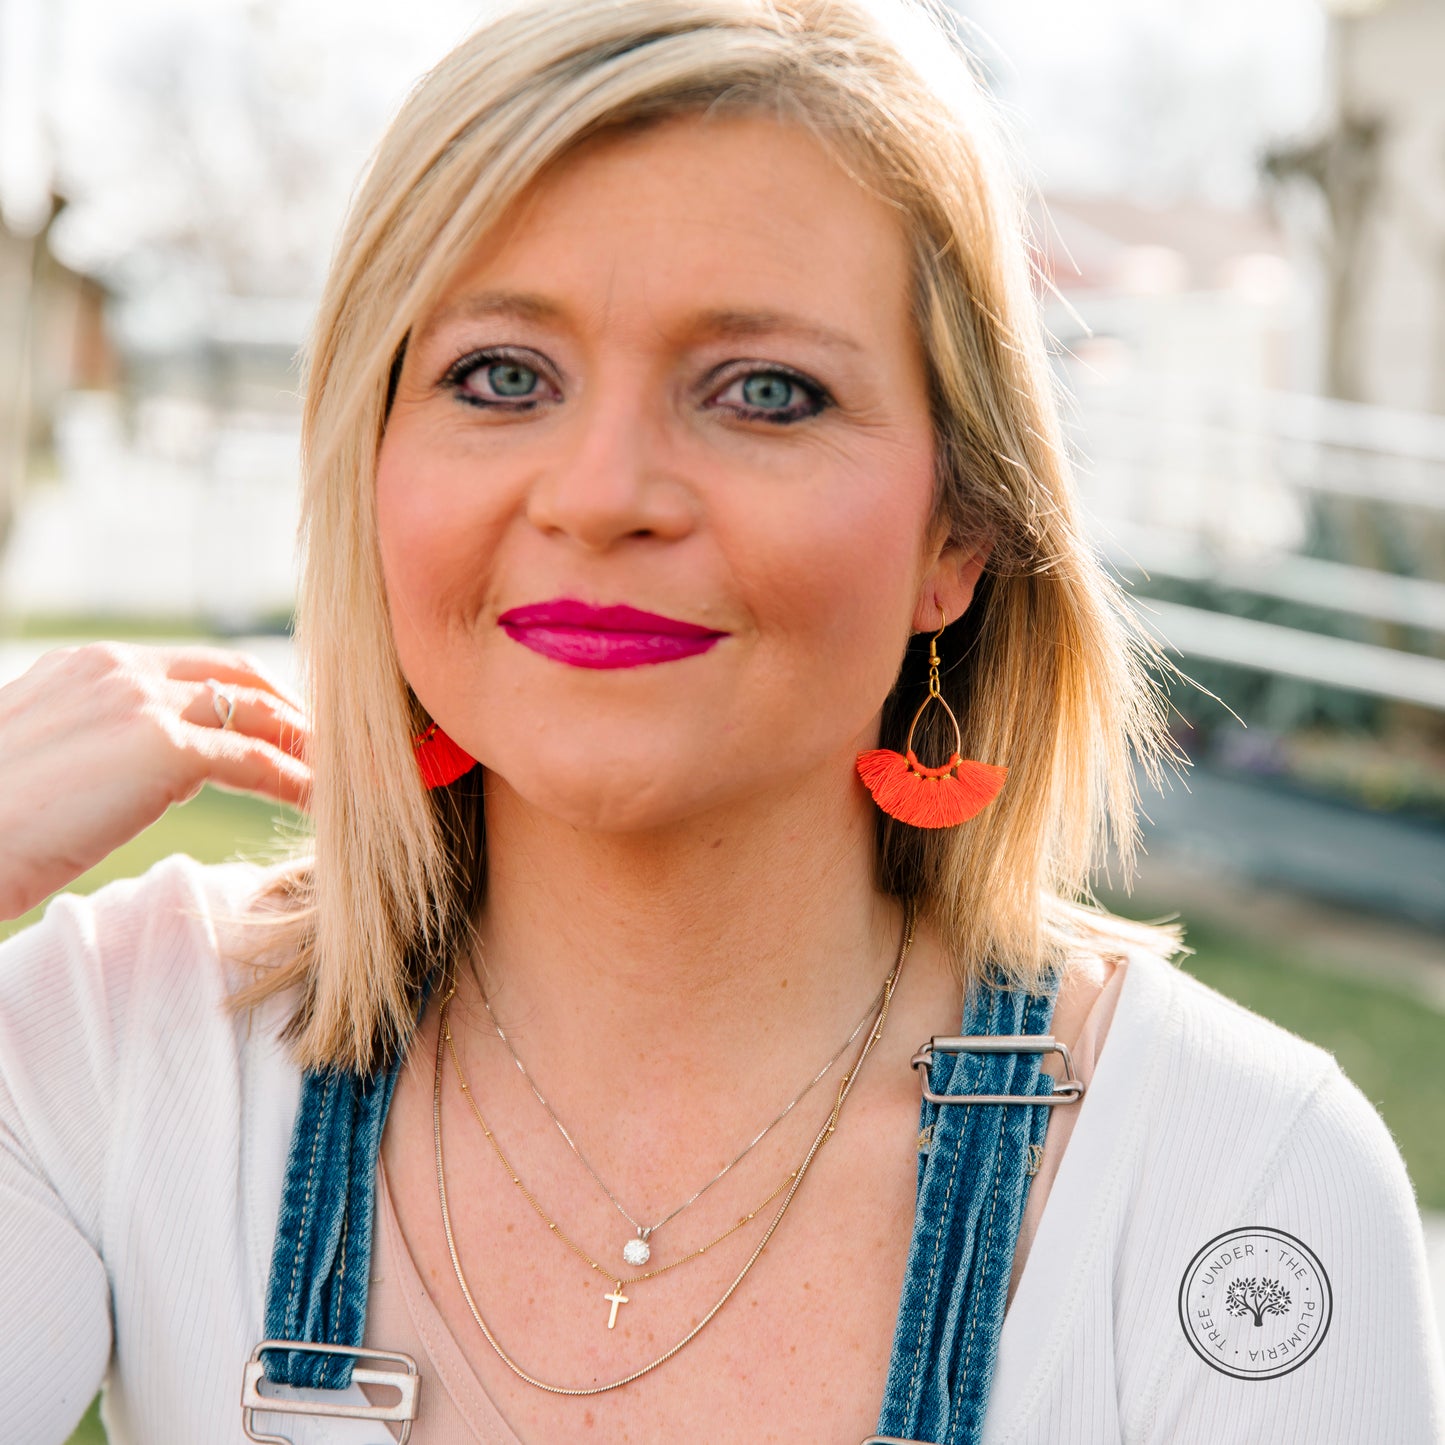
788	1188
638	1250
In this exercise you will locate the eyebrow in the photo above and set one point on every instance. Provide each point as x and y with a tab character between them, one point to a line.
724	322
479	305
719	322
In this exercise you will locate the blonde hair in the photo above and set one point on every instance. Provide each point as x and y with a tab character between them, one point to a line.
1047	668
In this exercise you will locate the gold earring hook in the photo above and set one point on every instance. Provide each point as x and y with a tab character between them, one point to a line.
935	693
933	660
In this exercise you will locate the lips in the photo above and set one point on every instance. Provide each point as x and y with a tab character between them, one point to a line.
584	635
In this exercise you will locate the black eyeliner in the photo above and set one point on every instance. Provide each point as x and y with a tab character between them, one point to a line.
474	360
479	357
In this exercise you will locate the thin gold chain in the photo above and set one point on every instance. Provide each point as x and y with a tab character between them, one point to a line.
551	1224
645	1231
797	1177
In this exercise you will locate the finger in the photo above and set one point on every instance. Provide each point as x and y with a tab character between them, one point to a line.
255	713
250	765
196	664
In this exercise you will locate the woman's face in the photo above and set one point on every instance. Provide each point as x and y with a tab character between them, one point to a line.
682	379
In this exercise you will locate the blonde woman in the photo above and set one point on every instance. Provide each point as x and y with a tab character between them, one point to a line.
681	463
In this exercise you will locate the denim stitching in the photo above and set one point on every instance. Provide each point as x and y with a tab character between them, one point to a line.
340	1282
904	1411
982	1278
933	1265
301	1231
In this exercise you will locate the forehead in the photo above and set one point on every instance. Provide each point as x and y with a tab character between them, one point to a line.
694	226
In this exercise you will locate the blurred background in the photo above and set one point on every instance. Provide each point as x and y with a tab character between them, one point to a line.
1242	221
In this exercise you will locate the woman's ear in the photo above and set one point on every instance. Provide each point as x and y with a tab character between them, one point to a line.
949	583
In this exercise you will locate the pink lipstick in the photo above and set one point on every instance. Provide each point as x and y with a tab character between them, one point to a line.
618	636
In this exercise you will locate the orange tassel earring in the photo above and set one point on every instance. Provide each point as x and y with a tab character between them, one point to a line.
930	797
441	761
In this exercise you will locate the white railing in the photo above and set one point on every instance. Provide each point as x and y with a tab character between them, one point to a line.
1209	485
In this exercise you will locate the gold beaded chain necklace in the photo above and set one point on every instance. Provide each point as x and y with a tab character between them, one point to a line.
638	1249
617	1297
794	1183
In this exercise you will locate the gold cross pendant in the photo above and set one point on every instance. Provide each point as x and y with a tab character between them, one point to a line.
617	1298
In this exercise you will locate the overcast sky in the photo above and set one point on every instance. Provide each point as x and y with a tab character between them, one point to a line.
164	118
1154	97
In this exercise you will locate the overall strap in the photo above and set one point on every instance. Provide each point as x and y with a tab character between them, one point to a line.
321	1263
973	1179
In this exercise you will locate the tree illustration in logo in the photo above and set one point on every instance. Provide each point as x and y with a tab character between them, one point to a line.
1257	1297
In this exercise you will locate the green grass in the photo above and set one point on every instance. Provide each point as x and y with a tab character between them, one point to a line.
1388	1042
213	826
70	626
90	1431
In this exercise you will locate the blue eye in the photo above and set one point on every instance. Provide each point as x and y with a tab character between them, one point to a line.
511	379
766	391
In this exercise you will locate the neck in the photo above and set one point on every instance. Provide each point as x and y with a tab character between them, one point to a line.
743	944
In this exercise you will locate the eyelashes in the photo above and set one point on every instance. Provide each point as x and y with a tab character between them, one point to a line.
505	368
817	398
465	367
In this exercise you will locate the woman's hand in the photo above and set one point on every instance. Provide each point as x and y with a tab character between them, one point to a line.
97	741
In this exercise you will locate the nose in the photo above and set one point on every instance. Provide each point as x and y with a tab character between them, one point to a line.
614	483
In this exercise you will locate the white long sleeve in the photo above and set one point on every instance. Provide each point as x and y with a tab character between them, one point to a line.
123	1252
57	1083
1339	1185
144	1132
1205	1121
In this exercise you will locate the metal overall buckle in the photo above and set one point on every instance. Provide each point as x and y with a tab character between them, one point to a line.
1068	1091
406	1380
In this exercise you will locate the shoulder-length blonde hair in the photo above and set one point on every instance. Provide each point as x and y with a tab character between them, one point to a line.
1046	670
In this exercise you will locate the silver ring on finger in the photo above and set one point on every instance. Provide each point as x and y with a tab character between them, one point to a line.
224	703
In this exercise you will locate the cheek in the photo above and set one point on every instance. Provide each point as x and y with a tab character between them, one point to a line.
839	580
434	541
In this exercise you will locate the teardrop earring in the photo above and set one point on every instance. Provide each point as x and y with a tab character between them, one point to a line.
930	797
441	761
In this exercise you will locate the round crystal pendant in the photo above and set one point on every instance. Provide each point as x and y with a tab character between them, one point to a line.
637	1251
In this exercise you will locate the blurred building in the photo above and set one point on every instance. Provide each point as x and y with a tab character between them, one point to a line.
1196	292
1290	544
1365	198
54	339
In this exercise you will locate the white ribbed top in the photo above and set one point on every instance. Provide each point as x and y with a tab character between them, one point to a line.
143	1139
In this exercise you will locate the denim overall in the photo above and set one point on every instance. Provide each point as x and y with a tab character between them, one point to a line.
976	1160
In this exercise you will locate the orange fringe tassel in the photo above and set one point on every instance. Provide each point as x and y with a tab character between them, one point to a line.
441	761
929	797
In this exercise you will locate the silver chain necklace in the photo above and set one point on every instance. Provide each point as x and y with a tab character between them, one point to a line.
637	1251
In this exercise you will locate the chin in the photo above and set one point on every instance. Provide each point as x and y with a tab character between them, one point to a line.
619	803
587	785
